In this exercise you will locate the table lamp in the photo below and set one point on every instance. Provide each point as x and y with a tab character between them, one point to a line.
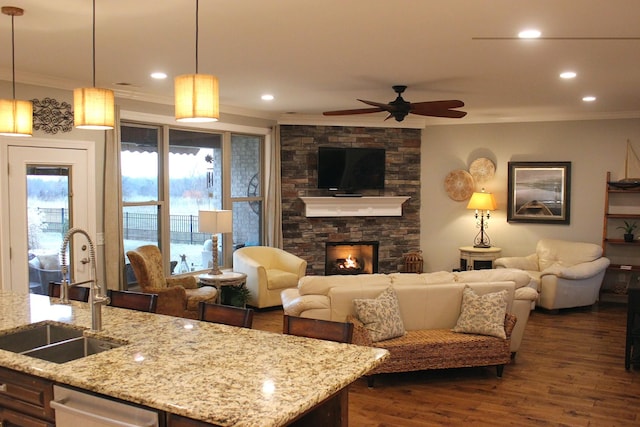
215	222
482	202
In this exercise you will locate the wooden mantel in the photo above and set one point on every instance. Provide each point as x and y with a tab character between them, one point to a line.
354	206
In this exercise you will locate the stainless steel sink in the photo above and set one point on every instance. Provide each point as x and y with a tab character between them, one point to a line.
56	343
72	349
38	335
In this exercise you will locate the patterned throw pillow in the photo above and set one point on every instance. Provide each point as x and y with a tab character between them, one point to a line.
381	316
482	314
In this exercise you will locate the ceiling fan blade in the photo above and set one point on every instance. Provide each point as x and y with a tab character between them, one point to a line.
450	114
383	106
558	38
347	112
438	109
435	105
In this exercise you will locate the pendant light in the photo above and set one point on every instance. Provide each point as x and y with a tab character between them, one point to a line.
16	116
196	95
93	108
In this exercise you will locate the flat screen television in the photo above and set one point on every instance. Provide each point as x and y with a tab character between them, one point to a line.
351	169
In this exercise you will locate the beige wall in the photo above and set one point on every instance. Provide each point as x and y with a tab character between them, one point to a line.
593	148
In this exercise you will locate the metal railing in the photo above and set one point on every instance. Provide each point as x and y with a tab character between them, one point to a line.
136	226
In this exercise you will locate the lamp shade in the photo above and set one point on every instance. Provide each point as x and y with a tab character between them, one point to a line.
482	202
16	117
93	108
197	98
215	222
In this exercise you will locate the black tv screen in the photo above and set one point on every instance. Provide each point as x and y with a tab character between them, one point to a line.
351	169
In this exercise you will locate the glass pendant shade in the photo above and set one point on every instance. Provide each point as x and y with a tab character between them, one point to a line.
16	117
93	108
197	98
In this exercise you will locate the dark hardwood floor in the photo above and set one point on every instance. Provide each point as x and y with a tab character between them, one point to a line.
569	372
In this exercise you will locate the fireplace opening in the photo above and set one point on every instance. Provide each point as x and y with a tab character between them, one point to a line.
351	258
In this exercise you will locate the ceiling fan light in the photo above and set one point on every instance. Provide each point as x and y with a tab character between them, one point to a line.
93	108
16	117
196	98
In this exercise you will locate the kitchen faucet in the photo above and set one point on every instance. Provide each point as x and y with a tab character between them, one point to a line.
97	295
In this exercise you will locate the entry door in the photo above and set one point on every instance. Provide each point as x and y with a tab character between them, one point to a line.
31	229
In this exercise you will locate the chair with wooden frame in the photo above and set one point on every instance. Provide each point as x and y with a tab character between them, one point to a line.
133	300
226	314
76	293
319	329
177	296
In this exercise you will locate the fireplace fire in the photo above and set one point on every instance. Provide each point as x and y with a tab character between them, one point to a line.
351	258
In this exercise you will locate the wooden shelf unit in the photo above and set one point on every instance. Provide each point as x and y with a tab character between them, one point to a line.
620	205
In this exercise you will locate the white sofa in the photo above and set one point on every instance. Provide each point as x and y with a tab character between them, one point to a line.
269	271
566	274
421	302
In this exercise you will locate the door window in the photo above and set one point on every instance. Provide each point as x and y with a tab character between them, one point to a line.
48	219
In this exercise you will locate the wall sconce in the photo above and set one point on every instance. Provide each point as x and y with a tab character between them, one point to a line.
93	108
215	222
482	202
196	95
16	116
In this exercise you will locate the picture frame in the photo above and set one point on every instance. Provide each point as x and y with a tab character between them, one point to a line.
539	192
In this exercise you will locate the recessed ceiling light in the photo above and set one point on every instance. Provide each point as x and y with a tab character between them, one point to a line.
529	34
568	75
589	98
267	97
158	75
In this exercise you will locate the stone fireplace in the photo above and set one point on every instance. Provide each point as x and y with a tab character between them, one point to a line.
351	258
305	235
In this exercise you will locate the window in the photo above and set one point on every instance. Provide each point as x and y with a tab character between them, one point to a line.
162	193
246	189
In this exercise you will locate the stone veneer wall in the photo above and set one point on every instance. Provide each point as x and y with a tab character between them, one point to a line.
306	237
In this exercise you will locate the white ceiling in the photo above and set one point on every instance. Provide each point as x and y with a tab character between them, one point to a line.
322	55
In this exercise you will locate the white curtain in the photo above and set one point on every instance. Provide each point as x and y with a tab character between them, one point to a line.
273	195
113	246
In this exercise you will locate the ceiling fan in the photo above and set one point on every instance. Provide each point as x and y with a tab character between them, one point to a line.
399	108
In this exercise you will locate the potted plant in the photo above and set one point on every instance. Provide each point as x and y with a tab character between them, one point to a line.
628	228
237	296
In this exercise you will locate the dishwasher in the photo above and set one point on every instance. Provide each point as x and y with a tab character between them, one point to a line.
76	408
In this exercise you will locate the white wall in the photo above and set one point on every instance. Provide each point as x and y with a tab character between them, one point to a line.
593	148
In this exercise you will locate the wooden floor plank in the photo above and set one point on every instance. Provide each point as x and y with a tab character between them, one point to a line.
569	372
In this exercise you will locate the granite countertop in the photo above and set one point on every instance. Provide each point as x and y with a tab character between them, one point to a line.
215	373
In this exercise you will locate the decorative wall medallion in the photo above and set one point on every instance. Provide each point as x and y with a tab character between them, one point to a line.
52	116
459	185
482	169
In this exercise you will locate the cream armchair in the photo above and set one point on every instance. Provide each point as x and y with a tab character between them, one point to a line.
269	271
566	274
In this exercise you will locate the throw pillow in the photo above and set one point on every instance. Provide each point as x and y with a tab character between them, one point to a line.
482	314
381	316
49	262
34	262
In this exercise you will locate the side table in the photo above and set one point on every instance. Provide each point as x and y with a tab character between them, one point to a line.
472	258
227	278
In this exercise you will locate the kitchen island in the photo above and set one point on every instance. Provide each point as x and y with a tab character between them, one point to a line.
217	374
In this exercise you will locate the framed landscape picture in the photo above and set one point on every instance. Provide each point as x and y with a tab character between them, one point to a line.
539	192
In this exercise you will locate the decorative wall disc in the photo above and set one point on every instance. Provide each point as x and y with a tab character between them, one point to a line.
459	185
482	169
